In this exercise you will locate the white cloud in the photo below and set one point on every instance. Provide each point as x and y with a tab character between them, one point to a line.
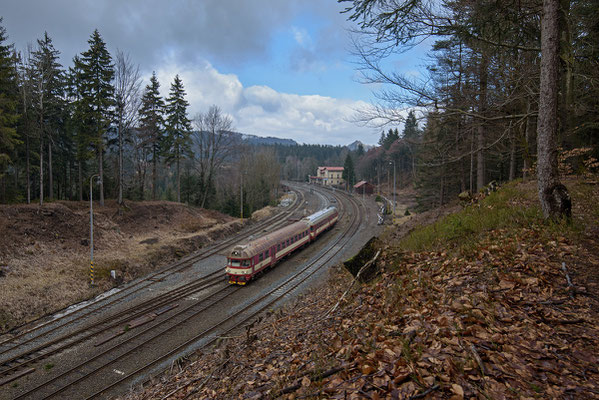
302	37
261	110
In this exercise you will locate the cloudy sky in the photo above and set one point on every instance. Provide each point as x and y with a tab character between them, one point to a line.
279	67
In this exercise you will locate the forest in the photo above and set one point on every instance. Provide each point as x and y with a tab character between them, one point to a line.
92	127
477	115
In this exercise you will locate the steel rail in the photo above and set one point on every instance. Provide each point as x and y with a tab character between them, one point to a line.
130	314
158	335
353	228
77	368
184	263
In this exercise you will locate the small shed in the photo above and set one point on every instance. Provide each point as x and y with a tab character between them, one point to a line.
364	187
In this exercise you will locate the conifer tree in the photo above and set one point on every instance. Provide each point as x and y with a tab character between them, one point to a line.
48	94
77	122
349	175
410	130
25	83
151	118
8	101
97	99
178	128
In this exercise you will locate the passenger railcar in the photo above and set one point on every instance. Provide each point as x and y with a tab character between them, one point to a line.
248	260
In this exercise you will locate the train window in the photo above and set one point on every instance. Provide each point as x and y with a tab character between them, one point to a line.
279	247
287	242
260	257
245	263
235	263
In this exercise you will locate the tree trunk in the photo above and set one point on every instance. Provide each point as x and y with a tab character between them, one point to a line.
566	62
472	163
512	175
69	191
554	197
154	174
41	169
142	178
28	168
101	173
80	178
50	180
178	182
480	140
120	195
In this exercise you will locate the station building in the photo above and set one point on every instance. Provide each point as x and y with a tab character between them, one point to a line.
328	176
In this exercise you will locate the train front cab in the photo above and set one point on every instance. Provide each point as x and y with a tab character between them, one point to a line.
239	270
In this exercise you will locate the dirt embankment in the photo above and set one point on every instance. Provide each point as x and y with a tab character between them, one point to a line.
44	252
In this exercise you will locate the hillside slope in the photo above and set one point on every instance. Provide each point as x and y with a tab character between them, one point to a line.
45	253
490	302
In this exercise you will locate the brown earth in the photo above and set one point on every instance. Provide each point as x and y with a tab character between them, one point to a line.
44	252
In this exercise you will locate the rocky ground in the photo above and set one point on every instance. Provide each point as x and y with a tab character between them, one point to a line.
45	253
490	302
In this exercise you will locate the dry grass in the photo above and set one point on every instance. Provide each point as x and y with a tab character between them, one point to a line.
40	276
264	212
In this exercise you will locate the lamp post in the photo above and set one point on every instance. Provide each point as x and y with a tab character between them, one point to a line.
91	229
241	195
242	174
393	188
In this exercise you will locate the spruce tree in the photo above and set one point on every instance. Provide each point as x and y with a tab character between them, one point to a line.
151	129
48	95
8	102
97	99
349	175
178	128
410	130
77	122
26	123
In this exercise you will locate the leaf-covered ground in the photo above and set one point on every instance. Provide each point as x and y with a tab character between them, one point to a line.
488	303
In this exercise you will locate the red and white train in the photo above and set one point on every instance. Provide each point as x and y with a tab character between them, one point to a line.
247	260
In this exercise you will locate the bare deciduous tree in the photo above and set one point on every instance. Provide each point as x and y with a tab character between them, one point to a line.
127	84
215	143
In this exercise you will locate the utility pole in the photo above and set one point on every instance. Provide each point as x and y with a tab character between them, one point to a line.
91	229
241	195
393	219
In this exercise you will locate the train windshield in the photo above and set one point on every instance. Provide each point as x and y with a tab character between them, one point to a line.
239	263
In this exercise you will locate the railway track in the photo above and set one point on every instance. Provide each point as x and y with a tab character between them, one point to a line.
136	346
28	346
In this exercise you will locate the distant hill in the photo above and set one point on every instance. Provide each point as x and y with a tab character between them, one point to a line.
261	141
354	146
269	140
